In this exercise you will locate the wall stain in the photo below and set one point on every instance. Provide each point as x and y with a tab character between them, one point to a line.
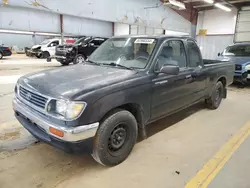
35	3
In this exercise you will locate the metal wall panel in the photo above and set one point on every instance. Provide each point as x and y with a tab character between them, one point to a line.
20	41
144	12
242	30
28	20
210	46
88	27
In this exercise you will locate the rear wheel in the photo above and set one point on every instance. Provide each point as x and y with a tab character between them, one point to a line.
115	138
1	55
213	102
79	59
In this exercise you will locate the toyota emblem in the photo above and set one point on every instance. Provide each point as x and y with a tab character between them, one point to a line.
28	96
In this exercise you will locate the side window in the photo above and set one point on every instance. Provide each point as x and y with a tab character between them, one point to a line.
194	54
101	41
54	43
96	41
172	53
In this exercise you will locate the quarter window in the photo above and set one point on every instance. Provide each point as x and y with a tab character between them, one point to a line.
194	54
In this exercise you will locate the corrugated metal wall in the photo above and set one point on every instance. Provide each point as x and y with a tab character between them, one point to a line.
28	20
88	27
211	45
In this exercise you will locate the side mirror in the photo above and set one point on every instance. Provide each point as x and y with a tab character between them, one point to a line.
91	44
219	54
170	69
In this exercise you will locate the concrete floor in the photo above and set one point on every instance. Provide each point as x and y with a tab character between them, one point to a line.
177	147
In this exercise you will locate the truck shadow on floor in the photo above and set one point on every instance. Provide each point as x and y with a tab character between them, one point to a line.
168	121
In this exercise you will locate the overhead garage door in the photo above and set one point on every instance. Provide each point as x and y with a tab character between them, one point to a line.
242	30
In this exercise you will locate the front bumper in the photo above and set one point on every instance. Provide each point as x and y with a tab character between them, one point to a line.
7	53
39	127
243	77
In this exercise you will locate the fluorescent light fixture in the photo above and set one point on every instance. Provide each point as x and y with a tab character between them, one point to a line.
218	5
15	32
175	4
209	1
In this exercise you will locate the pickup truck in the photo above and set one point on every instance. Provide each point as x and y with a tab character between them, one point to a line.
77	52
102	106
239	53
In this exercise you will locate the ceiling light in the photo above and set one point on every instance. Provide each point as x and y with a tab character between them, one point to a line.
175	4
222	7
209	1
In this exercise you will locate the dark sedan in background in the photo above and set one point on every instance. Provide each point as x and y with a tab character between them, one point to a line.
4	51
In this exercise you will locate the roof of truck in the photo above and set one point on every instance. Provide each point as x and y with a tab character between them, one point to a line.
153	36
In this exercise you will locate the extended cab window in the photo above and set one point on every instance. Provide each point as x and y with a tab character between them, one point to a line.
194	54
172	53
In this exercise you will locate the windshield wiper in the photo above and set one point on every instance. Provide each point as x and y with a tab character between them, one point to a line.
118	65
93	62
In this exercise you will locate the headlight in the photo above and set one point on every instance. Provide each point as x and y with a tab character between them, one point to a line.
67	109
247	67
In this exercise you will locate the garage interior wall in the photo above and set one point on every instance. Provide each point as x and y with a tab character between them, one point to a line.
82	17
150	13
220	26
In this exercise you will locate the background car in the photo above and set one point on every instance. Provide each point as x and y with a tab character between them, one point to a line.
4	51
239	53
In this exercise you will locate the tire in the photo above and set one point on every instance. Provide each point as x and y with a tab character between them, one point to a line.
1	55
38	56
79	59
115	138
46	54
215	99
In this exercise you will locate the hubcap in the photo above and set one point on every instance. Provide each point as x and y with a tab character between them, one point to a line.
117	138
217	94
80	59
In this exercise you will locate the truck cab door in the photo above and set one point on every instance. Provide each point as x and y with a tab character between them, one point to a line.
92	46
52	47
170	91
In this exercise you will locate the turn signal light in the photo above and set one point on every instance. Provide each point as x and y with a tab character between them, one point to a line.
56	132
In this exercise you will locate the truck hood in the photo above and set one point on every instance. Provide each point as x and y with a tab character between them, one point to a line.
67	82
36	46
239	60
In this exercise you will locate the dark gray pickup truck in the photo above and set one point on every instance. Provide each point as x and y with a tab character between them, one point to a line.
128	82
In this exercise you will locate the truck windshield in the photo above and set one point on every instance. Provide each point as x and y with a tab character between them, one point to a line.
45	42
81	40
128	52
237	50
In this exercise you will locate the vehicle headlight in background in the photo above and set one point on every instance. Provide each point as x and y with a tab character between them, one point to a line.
247	67
67	109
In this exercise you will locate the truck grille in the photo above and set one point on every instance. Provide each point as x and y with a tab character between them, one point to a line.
33	98
238	67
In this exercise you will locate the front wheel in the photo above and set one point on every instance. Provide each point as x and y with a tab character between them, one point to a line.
115	138
1	55
79	59
213	102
